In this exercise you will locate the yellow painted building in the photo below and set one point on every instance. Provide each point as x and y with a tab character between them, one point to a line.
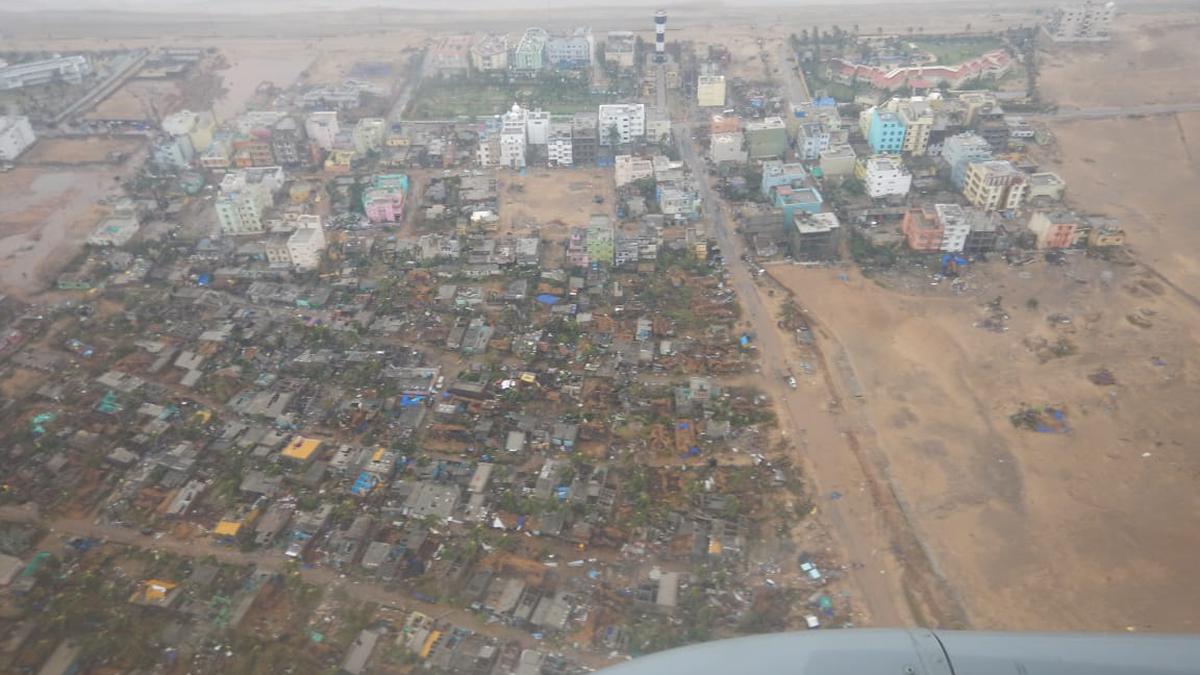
300	448
710	91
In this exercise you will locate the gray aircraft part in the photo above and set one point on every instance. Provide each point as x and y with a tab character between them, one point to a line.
924	652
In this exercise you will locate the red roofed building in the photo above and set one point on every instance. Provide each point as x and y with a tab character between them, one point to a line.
994	64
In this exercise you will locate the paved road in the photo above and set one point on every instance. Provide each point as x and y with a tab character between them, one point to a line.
323	577
1121	111
794	85
804	420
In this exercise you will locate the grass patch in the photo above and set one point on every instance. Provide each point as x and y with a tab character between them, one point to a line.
475	97
950	52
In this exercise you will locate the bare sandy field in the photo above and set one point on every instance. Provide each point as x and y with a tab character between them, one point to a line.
1151	59
543	196
1094	529
44	217
139	99
1143	171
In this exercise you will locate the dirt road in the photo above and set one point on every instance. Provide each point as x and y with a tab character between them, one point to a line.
825	445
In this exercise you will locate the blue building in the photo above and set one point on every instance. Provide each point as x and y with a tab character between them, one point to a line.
960	150
796	199
776	173
886	133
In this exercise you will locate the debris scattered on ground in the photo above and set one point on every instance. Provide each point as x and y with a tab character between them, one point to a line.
1044	420
1103	377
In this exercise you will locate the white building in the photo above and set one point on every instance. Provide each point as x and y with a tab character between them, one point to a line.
811	141
173	151
1087	21
558	149
658	126
305	246
628	169
886	176
629	120
15	136
368	135
244	196
537	127
728	147
322	128
70	69
513	138
956	226
490	53
197	126
116	231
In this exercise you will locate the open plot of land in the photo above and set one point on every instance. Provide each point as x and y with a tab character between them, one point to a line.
543	196
1091	529
90	150
138	99
44	218
1143	171
1149	60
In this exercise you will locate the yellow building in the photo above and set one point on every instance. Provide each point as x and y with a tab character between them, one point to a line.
995	185
339	161
227	528
301	449
710	91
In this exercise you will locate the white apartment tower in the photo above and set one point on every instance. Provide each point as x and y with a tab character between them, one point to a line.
629	120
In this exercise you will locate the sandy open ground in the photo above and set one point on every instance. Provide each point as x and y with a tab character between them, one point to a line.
90	150
1083	530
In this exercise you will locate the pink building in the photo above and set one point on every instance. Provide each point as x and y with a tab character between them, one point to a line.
995	63
383	201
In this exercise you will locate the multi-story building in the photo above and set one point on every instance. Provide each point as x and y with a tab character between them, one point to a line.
253	150
793	199
322	128
305	246
838	160
1045	187
885	131
218	154
571	51
917	118
658	126
537	127
490	53
577	250
16	135
288	143
921	229
244	196
776	173
728	147
1054	229
383	200
960	150
558	147
530	54
197	126
621	122
995	185
620	49
368	135
628	169
955	222
885	177
513	138
812	139
169	151
69	69
600	236
1087	21
766	138
451	55
710	91
585	138
813	236
674	200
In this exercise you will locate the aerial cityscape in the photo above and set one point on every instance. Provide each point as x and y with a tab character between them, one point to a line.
491	340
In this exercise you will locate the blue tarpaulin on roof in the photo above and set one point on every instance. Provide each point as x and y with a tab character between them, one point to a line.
203	280
410	401
683	425
547	299
365	483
